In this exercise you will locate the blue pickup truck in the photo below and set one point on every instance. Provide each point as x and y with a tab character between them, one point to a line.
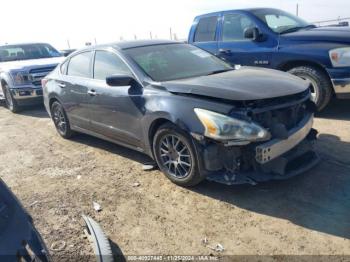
275	39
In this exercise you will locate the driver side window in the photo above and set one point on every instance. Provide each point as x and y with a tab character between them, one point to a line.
234	26
107	64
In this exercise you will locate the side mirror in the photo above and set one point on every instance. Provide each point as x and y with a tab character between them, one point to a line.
119	80
252	33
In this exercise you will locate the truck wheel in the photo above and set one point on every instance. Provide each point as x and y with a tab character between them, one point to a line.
176	156
11	103
321	87
60	120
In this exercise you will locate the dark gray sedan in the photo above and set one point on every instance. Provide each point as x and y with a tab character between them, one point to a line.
196	115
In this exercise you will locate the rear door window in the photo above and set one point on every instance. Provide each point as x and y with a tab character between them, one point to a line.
108	64
206	29
79	65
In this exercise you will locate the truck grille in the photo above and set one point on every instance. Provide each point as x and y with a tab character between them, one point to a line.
39	73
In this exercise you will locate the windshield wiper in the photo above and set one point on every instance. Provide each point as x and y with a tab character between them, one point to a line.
297	28
219	71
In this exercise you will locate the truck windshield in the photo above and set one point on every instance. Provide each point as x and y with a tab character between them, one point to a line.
281	22
27	51
176	61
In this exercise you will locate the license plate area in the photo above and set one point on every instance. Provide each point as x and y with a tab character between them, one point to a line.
276	147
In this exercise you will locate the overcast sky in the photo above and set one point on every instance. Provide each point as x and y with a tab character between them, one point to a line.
56	21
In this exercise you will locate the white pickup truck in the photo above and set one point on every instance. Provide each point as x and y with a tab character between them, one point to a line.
22	66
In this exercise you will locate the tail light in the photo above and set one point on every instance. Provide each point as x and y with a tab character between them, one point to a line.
44	82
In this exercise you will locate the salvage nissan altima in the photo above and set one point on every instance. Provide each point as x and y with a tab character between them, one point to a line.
194	114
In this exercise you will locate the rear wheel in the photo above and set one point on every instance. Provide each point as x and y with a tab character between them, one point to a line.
11	103
60	120
176	156
321	87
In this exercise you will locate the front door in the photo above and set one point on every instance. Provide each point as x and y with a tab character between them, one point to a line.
234	48
115	112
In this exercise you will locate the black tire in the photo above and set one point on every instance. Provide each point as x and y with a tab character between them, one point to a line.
181	174
321	84
61	121
11	103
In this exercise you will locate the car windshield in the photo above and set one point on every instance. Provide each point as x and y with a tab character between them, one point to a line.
27	51
176	61
281	22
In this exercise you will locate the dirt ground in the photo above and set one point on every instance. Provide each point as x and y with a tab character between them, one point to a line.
57	180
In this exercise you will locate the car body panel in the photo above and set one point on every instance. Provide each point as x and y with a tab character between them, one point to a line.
246	83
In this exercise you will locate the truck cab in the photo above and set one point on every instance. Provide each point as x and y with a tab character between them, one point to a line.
275	39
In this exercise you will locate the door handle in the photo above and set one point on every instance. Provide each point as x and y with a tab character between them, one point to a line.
61	85
92	92
225	51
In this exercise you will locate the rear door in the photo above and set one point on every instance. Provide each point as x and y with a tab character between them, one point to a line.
75	75
114	110
205	33
234	48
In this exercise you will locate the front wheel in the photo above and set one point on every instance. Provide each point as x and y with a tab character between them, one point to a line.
176	156
11	103
321	87
60	120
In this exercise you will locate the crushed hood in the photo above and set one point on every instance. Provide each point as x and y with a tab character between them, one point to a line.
247	83
29	64
321	34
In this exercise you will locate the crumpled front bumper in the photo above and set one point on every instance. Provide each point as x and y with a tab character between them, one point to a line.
276	159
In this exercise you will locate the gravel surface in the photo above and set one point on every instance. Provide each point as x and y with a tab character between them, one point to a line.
57	180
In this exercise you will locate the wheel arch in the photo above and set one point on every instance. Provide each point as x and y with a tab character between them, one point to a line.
158	122
297	63
154	127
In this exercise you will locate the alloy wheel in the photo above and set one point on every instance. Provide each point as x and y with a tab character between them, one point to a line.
59	119
175	156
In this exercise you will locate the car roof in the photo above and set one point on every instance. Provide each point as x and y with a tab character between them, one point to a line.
240	10
122	45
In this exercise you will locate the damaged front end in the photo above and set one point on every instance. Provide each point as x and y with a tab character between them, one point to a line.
287	152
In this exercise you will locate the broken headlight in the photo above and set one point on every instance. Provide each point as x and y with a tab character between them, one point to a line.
224	128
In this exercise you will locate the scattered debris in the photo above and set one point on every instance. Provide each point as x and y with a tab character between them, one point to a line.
217	248
34	203
205	241
97	206
156	195
149	166
136	184
58	245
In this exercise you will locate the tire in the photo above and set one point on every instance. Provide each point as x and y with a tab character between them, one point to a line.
11	103
61	121
322	87
185	173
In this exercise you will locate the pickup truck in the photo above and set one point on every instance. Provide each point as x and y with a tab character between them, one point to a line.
275	39
22	66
